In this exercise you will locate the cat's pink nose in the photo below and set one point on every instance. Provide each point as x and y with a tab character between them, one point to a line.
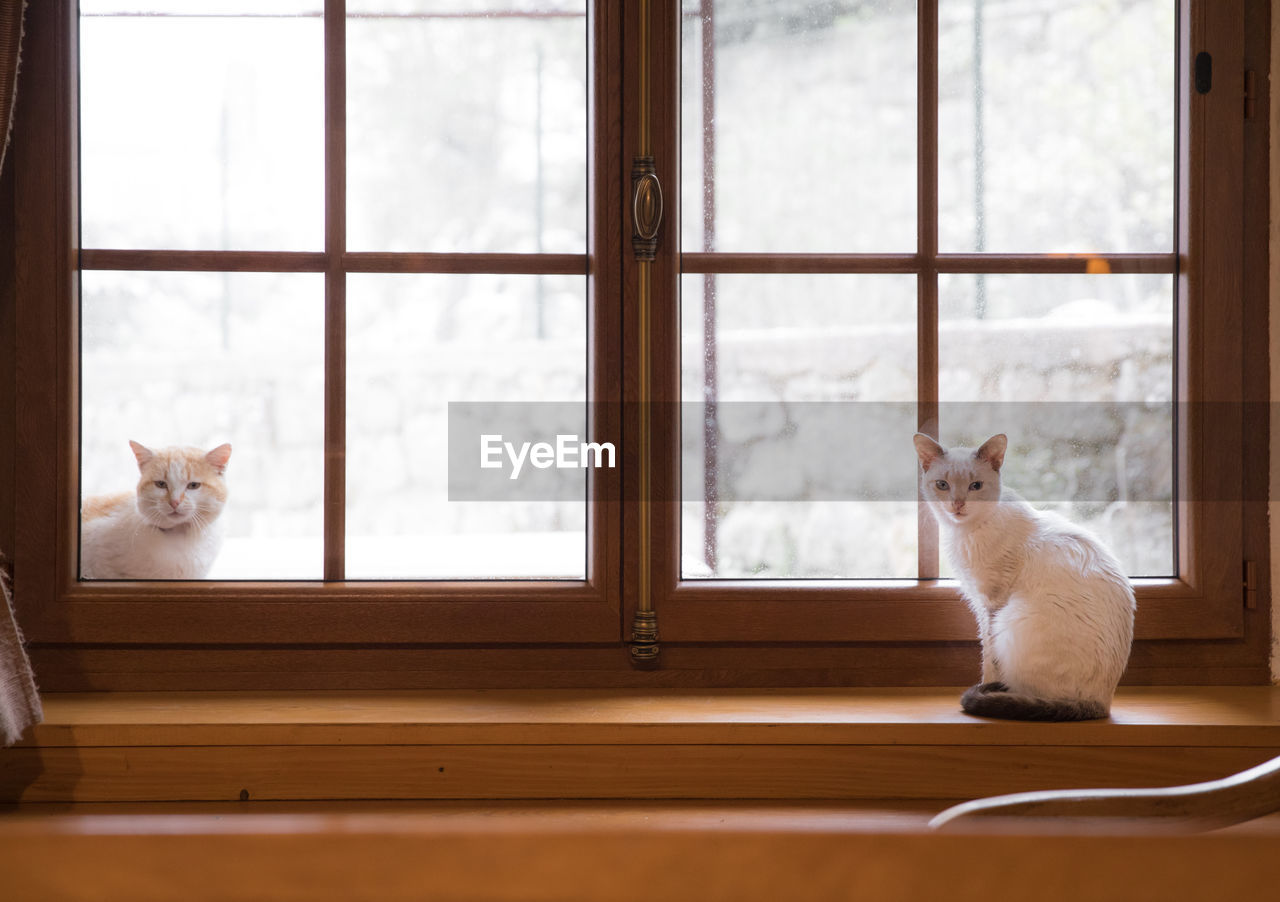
175	503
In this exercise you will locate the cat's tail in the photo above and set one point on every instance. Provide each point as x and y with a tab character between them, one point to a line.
995	700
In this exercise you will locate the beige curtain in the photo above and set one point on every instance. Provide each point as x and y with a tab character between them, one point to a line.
19	701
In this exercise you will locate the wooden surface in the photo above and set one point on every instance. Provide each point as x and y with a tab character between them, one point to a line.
620	852
1245	716
75	669
519	771
1240	797
833	742
597	744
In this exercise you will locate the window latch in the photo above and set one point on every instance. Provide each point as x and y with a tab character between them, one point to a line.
646	208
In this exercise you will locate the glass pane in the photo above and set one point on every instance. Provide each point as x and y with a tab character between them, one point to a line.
466	126
790	478
1078	371
799	126
1056	126
417	343
201	129
199	359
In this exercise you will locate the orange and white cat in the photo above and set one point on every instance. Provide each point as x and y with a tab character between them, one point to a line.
168	527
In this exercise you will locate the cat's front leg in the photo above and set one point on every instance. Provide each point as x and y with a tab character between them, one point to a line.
983	617
990	672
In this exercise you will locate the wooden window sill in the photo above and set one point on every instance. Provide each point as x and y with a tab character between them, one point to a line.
907	743
750	794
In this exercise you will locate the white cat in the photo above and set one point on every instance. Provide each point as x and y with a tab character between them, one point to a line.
168	528
1054	608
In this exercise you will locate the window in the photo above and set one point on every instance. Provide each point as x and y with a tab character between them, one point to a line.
969	204
421	312
879	217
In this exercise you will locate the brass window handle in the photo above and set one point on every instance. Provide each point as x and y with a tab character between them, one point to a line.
646	208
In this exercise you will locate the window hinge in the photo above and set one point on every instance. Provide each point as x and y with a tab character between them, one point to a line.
644	639
1250	93
1251	584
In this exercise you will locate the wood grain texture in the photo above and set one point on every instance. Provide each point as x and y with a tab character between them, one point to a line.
37	156
516	264
460	816
524	771
1185	716
201	261
335	289
311	860
70	668
606	180
588	744
924	262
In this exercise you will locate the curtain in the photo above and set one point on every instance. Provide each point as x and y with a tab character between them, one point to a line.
19	701
10	49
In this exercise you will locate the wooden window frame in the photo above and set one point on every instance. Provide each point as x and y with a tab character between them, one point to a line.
1204	599
60	608
1195	628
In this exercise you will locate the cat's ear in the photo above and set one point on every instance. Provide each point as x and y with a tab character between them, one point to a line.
218	458
992	451
928	450
141	453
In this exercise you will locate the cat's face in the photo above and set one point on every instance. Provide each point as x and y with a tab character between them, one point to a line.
178	486
961	483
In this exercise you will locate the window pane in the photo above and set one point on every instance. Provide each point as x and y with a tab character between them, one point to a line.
416	343
1078	371
1056	125
466	126
805	372
188	145
198	359
799	126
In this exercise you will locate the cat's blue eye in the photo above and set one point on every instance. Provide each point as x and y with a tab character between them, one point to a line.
942	485
975	487
160	484
193	485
